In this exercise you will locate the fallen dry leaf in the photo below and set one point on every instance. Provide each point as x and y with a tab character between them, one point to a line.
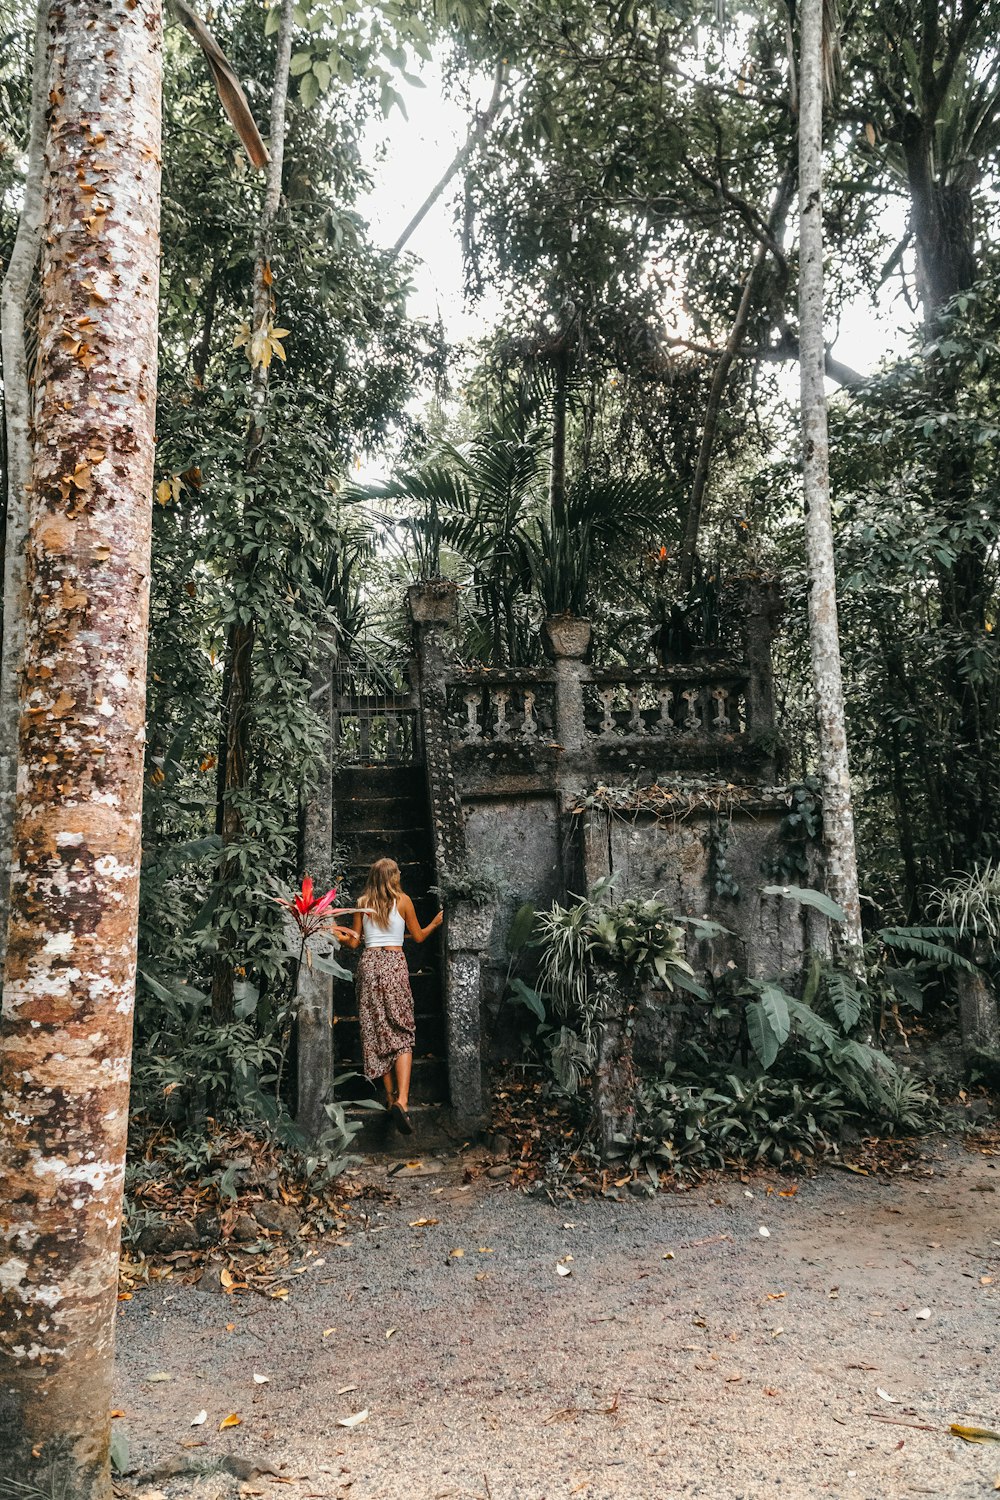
885	1395
327	1332
260	1379
200	1419
974	1434
423	1223
389	1332
563	1270
359	1416
233	1420
345	1388
457	1254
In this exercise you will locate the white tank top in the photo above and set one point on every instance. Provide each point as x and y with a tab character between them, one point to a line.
385	937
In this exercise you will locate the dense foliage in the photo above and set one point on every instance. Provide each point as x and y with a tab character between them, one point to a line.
617	445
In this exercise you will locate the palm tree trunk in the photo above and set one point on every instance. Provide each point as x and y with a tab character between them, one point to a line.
824	634
66	1029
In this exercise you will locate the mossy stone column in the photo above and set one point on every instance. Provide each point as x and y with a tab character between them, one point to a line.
432	609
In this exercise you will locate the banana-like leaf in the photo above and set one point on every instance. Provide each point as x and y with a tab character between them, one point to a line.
234	100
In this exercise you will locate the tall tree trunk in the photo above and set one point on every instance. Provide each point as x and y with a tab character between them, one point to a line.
557	472
720	378
17	416
66	1028
824	633
239	664
315	993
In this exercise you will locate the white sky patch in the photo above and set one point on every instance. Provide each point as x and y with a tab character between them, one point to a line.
417	152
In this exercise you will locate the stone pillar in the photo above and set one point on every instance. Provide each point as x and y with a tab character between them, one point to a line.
760	607
432	609
315	997
568	639
467	934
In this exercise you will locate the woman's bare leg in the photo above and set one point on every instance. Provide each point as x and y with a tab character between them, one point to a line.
389	1079
403	1066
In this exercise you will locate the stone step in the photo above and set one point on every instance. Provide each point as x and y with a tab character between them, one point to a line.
433	1130
428	1081
380	781
355	815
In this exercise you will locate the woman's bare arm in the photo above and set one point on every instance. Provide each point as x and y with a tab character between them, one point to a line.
417	933
350	936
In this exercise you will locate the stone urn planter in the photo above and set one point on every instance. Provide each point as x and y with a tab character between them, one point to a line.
567	636
433	603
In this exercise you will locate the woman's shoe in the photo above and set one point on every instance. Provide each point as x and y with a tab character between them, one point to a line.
401	1120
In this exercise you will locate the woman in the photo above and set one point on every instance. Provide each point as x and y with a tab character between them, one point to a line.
385	1000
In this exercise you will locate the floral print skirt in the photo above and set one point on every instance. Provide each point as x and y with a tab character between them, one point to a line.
385	1009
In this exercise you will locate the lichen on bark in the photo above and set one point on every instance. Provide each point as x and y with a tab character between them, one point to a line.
65	1033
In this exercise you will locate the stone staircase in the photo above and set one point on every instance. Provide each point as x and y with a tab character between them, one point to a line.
381	811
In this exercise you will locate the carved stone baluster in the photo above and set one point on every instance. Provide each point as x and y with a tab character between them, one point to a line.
501	697
720	719
472	732
665	722
529	729
692	720
607	697
635	723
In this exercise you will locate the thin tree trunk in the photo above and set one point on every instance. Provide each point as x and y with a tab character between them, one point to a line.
66	1029
315	989
478	132
720	377
557	473
17	416
242	633
824	634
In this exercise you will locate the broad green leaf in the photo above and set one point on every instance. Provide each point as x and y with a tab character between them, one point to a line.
526	996
309	90
763	1037
806	897
521	928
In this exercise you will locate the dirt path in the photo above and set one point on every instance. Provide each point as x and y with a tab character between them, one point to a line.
744	1366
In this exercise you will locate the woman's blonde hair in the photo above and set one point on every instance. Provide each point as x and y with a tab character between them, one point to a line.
382	890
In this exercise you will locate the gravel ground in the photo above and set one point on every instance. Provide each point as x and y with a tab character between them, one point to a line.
738	1365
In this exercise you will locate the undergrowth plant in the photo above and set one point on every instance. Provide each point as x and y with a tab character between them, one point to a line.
763	1071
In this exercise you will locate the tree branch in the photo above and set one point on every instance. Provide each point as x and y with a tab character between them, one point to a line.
477	133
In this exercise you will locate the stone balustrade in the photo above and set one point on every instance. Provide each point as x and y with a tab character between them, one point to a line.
704	702
501	707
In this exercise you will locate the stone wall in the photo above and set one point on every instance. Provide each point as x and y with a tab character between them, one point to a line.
513	757
653	841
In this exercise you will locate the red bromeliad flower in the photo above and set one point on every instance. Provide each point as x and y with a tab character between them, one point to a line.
313	913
